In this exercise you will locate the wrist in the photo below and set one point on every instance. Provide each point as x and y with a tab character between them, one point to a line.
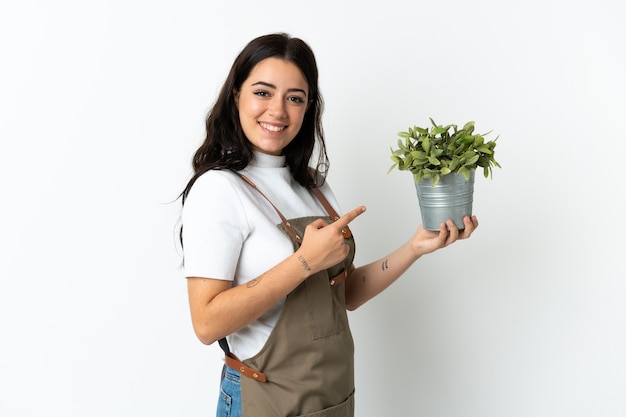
302	264
415	249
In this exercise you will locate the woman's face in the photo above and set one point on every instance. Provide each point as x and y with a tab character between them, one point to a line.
272	103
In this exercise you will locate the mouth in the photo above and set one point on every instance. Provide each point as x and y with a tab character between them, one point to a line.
272	128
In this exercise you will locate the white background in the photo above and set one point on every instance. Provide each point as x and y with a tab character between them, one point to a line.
102	104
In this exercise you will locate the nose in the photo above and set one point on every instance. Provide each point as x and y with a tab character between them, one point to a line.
277	108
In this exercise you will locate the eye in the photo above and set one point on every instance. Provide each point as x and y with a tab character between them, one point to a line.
296	99
262	93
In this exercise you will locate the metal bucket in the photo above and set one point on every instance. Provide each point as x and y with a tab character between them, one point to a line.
451	198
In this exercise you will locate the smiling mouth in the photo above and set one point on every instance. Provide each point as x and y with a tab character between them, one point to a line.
272	128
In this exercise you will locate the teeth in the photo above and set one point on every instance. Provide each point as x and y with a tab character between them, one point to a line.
272	128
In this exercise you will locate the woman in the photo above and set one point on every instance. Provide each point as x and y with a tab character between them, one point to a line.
268	260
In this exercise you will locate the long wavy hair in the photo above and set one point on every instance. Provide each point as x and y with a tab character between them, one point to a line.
226	146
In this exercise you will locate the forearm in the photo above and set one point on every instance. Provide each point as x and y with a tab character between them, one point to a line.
367	281
220	312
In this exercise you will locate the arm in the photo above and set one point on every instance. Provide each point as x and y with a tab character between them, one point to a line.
369	280
218	309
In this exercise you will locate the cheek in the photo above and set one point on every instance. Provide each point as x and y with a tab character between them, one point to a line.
299	116
251	108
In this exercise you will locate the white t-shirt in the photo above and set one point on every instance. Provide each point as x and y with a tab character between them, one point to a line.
230	231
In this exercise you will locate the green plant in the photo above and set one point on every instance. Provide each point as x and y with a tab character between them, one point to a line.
440	150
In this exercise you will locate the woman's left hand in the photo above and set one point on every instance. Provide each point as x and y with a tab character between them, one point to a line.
426	241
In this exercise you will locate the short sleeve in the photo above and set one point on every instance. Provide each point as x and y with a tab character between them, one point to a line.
214	227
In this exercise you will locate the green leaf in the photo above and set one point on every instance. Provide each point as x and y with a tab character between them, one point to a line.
426	145
472	160
468	154
438	130
478	141
434	160
469	127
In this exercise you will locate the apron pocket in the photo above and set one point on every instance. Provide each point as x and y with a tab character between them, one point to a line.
324	318
345	409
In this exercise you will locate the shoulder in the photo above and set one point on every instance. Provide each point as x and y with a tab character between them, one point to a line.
215	190
216	184
215	180
215	206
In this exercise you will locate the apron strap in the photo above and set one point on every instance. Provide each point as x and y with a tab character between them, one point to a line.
224	345
292	232
330	210
234	363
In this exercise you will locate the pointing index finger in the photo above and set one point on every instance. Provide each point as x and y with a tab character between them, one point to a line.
344	220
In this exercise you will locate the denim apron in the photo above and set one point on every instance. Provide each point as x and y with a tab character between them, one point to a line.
308	360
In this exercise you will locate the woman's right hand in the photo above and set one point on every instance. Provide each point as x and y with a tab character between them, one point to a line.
323	244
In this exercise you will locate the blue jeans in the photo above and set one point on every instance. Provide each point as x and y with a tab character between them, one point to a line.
229	403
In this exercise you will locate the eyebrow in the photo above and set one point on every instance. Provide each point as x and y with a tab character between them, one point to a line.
263	83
